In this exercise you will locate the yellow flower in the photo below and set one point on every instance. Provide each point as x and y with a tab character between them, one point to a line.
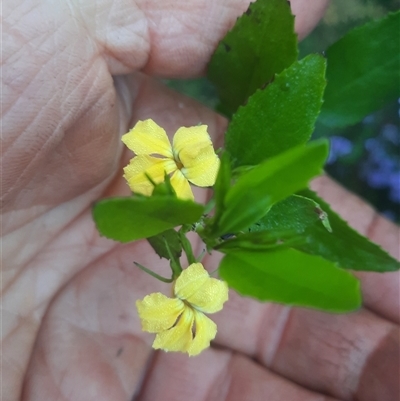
191	158
180	322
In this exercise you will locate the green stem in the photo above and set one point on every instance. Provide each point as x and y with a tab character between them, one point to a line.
175	264
187	246
210	206
201	256
214	271
155	275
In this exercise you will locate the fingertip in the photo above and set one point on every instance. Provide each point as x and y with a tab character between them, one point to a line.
176	39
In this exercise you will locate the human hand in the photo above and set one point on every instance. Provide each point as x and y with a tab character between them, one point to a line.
69	326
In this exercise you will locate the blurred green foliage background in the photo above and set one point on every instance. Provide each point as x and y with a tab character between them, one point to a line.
364	157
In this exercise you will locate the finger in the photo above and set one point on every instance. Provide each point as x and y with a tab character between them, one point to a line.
354	356
175	39
217	375
308	14
351	356
381	292
52	70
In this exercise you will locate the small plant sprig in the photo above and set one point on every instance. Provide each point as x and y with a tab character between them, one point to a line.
280	241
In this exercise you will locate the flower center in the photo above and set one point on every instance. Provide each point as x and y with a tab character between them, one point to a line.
179	164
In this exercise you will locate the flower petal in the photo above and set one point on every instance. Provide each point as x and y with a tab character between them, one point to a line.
193	148
196	137
179	337
148	138
205	331
190	281
203	292
181	186
211	297
202	169
158	312
156	168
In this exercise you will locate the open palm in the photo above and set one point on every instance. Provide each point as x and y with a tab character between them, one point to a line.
73	82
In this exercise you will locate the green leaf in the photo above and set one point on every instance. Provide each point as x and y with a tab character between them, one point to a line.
258	241
280	116
291	277
129	219
296	213
363	72
157	242
345	246
261	43
222	184
273	180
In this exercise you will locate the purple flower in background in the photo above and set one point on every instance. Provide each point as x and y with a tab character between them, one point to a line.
340	146
382	169
366	158
377	179
390	132
394	183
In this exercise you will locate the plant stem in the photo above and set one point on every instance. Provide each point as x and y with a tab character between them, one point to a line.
186	245
210	206
155	275
201	256
175	264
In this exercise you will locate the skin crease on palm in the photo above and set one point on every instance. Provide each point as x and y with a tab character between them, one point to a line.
73	83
